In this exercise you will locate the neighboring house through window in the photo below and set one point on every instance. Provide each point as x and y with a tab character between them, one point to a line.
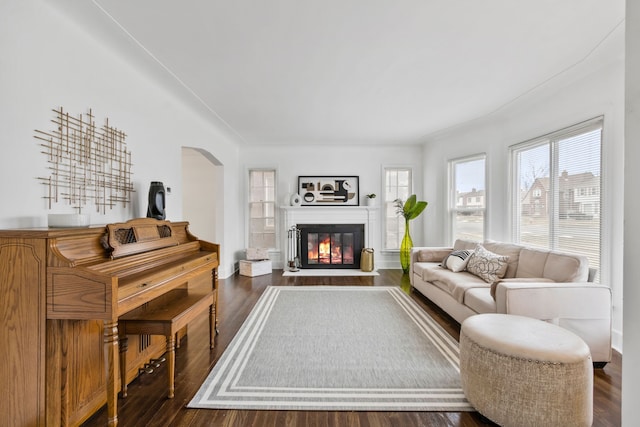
467	198
556	198
262	208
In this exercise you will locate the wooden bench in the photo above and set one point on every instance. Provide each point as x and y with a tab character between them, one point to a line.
166	316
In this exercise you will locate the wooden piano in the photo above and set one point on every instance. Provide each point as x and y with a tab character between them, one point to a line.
63	292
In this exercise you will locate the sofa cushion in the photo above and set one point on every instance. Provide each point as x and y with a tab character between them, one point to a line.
479	300
562	267
457	261
423	269
509	249
454	283
460	244
557	266
487	265
532	262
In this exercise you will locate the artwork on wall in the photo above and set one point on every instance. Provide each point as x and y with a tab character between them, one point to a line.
89	165
328	190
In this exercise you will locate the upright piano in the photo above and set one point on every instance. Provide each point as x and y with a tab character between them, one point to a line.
63	292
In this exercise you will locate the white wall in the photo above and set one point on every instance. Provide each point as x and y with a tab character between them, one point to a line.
367	162
594	88
630	367
48	60
203	191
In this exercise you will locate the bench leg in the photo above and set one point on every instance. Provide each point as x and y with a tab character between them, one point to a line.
124	346
171	365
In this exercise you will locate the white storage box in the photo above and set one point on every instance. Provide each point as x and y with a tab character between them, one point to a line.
255	268
257	254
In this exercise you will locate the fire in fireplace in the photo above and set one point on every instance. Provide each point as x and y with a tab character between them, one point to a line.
331	245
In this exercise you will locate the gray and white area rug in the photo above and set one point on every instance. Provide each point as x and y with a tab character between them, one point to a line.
345	272
348	348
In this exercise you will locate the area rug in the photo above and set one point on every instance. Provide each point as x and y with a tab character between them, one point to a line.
347	348
311	272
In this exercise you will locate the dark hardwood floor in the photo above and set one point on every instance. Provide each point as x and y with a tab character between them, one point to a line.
146	404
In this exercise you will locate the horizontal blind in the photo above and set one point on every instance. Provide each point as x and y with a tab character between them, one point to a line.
558	182
579	187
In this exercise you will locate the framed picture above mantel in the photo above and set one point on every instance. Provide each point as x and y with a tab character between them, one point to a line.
329	190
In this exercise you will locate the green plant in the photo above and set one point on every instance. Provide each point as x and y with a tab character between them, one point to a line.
371	196
410	209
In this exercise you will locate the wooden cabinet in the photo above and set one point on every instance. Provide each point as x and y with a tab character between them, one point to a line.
22	330
76	385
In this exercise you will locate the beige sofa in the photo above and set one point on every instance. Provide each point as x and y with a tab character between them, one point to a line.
541	284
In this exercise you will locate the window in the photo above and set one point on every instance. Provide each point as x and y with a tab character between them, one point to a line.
397	185
467	197
566	166
262	208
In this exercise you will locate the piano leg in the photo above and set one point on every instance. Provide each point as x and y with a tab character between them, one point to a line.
171	365
212	326
214	283
215	315
111	367
124	346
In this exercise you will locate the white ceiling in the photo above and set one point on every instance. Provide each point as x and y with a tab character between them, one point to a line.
355	71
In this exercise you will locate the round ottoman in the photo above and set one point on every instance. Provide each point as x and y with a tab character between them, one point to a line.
519	371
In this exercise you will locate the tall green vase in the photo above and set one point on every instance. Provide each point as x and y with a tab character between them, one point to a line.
405	249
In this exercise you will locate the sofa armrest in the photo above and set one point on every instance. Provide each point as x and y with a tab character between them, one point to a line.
583	308
429	253
426	254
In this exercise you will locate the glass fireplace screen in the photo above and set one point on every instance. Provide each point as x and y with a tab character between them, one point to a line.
331	246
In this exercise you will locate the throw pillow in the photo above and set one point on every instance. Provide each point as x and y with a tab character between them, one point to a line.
487	265
456	261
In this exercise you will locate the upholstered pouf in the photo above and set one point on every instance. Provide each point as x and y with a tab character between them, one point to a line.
519	371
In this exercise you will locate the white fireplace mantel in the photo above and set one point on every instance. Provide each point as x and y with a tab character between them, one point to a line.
294	215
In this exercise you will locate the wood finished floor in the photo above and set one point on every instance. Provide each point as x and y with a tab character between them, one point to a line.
146	404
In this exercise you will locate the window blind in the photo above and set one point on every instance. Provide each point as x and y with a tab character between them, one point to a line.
557	197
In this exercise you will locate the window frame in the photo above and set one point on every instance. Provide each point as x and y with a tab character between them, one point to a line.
453	196
383	205
274	201
553	139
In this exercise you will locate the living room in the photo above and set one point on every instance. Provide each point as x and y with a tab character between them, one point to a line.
51	58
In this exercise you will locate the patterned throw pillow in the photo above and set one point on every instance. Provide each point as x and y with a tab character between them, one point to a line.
456	261
487	265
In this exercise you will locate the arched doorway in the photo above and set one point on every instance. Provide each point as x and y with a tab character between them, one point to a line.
202	194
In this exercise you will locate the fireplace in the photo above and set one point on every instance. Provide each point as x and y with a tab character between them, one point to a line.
331	245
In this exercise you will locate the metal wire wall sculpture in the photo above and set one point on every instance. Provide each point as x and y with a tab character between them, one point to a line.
89	165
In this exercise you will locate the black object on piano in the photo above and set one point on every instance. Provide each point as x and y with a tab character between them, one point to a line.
156	207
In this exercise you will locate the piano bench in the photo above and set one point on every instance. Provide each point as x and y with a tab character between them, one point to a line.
166	316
